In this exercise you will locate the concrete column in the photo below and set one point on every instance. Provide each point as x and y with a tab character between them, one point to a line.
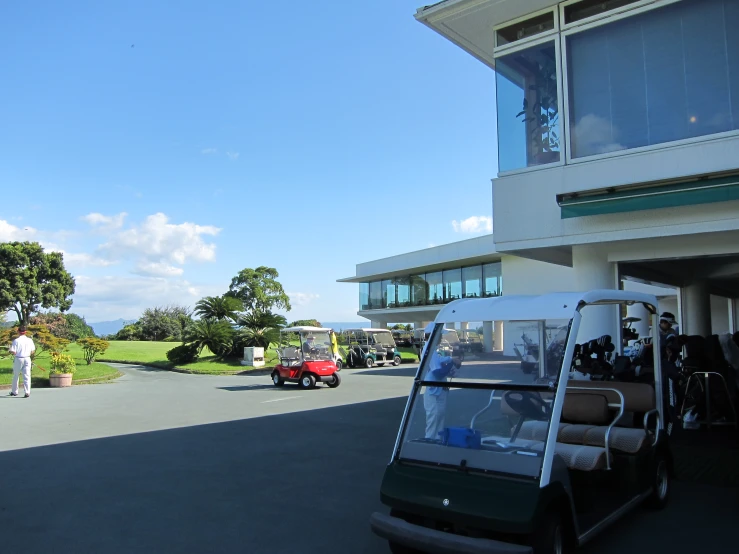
418	325
593	271
696	305
641	327
379	324
463	326
487	336
498	336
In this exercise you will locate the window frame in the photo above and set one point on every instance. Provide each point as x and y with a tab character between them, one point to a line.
519	44
605	15
599	21
525	44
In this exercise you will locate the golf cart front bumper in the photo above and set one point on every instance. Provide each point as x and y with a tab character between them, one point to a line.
438	542
325	378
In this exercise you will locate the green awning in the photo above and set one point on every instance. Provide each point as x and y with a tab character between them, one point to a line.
703	191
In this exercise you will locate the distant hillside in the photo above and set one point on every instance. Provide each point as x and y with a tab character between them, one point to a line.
110	327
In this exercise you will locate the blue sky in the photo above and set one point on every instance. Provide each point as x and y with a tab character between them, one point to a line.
164	146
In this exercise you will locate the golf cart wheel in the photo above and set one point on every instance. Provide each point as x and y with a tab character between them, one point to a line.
339	365
336	382
307	381
369	362
551	536
396	361
277	380
396	548
661	483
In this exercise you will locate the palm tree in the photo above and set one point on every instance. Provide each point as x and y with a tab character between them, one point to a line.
260	328
219	307
217	336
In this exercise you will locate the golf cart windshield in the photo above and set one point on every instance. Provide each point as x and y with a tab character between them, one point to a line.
384	339
315	345
486	411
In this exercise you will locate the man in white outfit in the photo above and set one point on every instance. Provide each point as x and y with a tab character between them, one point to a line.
22	348
435	398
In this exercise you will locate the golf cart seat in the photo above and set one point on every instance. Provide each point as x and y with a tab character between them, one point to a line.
588	414
290	356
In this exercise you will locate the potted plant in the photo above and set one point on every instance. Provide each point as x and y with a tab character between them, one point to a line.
61	370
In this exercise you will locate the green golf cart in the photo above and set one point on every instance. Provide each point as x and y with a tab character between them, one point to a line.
489	459
369	347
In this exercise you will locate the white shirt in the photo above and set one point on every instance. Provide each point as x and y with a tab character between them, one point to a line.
22	347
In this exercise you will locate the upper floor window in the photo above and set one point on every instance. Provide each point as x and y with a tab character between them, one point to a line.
528	107
525	29
668	74
589	8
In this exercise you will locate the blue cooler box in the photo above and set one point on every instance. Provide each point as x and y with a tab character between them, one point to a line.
461	437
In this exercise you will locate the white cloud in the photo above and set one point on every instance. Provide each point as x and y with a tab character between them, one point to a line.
596	135
158	269
474	224
302	298
83	259
103	298
232	155
106	222
11	233
207	151
157	241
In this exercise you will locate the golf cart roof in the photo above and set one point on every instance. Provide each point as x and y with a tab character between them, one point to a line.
368	330
304	329
558	305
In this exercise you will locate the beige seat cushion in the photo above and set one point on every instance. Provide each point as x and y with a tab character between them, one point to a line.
537	430
629	441
575	434
578	456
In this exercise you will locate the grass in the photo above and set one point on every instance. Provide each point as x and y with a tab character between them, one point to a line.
94	373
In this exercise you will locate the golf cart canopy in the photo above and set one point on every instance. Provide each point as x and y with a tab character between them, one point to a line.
304	330
554	306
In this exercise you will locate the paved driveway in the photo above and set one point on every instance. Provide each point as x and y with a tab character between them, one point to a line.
163	462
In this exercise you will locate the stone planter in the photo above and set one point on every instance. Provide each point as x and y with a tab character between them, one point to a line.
60	379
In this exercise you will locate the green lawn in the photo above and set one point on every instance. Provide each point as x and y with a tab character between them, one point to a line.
93	373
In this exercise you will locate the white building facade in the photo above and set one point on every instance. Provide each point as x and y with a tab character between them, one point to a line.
618	148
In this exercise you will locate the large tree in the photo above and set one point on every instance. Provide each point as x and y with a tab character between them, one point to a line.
162	322
31	279
259	289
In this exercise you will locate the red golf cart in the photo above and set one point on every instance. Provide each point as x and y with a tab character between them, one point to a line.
305	358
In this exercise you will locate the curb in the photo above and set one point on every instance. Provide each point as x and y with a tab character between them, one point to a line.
91	381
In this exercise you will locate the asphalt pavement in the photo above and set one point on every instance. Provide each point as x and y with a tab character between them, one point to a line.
165	462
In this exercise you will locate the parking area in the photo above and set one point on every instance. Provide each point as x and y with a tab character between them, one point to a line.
163	462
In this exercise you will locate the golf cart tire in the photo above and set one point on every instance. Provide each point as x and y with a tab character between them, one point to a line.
307	381
551	532
336	382
369	362
277	380
339	365
397	360
661	483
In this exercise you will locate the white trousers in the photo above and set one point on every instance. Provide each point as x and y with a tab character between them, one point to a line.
435	406
22	366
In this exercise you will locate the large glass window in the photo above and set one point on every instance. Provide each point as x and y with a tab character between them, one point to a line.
452	284
493	279
435	284
527	103
418	290
375	295
403	291
668	74
364	296
388	294
472	281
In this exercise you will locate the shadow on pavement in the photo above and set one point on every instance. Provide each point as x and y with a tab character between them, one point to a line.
303	483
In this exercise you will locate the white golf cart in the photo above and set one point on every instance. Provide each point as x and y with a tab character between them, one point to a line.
490	459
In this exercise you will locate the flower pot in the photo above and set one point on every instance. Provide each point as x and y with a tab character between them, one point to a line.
60	379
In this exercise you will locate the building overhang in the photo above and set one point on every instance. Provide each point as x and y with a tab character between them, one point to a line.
469	23
478	250
403	315
691	191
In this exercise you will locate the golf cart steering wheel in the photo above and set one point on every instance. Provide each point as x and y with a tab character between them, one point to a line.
527	404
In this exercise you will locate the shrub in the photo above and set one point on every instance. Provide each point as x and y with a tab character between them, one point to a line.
92	347
61	363
183	354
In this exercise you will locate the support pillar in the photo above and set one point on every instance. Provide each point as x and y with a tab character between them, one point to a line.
487	336
498	336
593	271
641	327
379	324
696	305
464	325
